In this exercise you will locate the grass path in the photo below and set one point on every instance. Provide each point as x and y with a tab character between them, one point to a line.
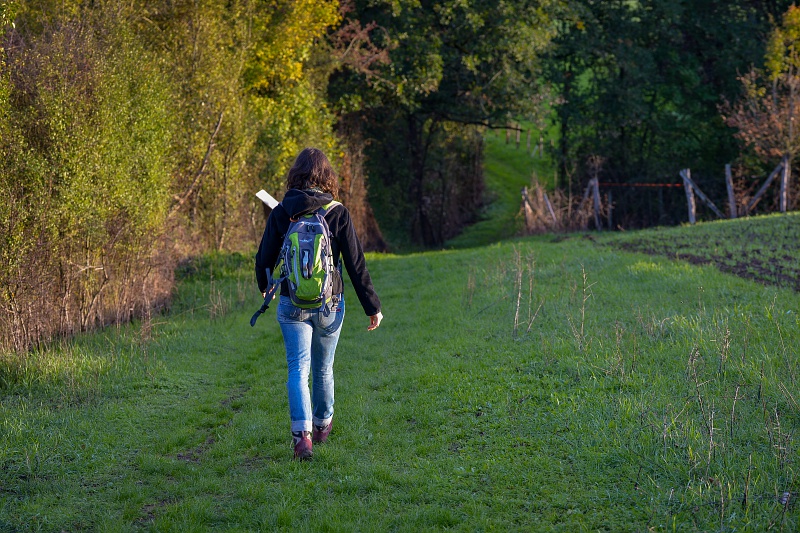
530	385
507	169
445	418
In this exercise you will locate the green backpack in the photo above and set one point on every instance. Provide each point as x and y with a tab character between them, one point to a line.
306	263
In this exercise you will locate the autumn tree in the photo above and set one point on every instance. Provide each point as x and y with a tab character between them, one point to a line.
766	113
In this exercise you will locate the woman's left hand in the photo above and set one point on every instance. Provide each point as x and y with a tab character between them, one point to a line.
375	321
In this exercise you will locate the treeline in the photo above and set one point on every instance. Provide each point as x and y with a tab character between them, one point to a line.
133	134
635	91
649	87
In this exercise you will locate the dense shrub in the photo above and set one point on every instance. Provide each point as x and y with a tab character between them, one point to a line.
84	178
133	135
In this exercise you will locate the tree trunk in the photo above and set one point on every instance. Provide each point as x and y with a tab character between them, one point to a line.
353	190
419	142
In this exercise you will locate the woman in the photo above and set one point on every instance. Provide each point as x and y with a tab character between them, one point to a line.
311	335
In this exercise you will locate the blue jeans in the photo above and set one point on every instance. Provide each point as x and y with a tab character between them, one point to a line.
310	338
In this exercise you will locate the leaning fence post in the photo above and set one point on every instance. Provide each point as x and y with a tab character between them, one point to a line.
550	208
705	199
763	188
787	171
731	196
685	173
526	207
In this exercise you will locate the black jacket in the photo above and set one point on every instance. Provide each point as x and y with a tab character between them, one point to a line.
345	244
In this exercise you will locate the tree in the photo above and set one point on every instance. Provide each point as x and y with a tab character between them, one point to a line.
247	98
455	66
766	113
84	175
640	84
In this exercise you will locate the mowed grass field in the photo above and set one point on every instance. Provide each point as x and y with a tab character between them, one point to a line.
559	383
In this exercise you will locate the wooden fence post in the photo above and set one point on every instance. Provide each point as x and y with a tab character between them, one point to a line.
705	199
587	192
610	210
596	198
787	171
518	134
731	196
508	134
550	208
528	141
763	188
689	196
526	206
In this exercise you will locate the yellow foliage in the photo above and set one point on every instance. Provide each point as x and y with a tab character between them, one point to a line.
783	47
284	39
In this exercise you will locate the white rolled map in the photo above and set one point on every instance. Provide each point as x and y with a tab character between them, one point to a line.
265	197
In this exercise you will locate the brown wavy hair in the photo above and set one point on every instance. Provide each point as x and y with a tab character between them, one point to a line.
312	170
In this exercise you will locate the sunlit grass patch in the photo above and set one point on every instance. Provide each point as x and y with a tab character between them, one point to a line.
76	369
765	249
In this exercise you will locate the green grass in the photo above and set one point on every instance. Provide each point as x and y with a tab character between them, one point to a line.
537	384
765	249
446	418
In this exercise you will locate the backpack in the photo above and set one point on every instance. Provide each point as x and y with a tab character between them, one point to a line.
305	262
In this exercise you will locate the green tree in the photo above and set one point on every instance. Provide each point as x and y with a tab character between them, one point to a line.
640	83
454	66
246	100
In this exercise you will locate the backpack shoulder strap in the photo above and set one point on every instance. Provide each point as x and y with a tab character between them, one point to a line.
327	207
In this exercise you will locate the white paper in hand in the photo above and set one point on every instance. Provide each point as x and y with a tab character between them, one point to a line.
266	198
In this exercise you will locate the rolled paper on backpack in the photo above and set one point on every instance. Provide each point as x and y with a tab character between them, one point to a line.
265	197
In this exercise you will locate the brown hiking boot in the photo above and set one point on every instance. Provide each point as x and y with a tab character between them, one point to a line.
320	434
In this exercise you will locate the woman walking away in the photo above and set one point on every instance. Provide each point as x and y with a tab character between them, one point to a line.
311	332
